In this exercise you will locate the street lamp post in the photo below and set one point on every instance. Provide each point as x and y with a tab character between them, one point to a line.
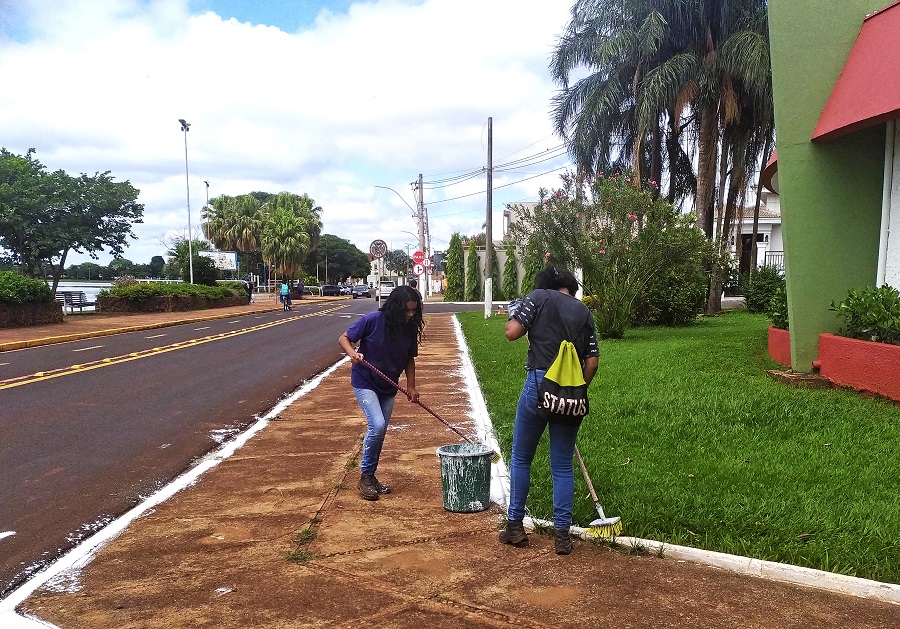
185	126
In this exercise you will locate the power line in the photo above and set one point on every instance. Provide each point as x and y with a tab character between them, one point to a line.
472	194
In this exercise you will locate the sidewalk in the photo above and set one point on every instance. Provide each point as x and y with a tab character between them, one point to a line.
276	535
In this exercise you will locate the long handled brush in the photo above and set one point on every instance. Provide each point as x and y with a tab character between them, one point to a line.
384	376
602	526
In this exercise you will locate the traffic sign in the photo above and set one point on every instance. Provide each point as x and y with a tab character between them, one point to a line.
378	248
418	257
418	269
427	262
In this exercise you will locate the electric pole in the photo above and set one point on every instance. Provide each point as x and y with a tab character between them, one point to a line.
488	272
421	212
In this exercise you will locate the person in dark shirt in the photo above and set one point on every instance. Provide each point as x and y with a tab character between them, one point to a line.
389	340
549	315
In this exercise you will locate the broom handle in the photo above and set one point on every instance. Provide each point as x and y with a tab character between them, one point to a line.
587	478
404	391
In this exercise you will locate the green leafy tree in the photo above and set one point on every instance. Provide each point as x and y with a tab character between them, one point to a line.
285	243
497	290
179	261
156	266
45	216
473	274
511	273
534	262
620	235
454	270
339	258
398	262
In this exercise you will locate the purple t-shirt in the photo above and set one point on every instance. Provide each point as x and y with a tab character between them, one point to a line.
390	355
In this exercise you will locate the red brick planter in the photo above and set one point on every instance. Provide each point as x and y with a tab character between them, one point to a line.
780	346
31	313
862	365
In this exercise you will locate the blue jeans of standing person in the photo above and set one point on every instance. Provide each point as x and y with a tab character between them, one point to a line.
527	433
377	409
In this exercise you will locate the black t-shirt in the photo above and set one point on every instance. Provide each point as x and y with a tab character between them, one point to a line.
550	317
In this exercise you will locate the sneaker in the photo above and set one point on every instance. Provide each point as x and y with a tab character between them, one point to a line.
514	534
367	487
562	541
382	488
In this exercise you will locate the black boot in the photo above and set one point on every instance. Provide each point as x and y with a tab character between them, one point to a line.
514	534
381	487
367	487
562	541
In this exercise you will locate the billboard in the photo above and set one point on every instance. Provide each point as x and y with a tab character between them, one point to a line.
224	260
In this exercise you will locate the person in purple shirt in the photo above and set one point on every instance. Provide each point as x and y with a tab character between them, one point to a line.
389	340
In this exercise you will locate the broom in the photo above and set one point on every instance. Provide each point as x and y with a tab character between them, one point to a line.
602	526
384	376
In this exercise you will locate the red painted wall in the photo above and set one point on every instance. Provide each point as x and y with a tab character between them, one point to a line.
780	346
862	365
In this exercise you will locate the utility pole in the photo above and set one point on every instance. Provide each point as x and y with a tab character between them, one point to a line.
488	272
421	212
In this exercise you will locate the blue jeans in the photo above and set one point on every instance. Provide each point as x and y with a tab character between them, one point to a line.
377	409
527	433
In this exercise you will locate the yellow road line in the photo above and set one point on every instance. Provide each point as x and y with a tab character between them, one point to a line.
106	362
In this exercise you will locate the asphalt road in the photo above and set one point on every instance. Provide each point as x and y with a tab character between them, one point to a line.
93	426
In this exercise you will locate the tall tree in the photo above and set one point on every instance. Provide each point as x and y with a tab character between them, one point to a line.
340	257
45	216
454	270
285	241
511	273
473	273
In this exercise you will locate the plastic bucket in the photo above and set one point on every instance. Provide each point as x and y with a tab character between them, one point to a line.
466	476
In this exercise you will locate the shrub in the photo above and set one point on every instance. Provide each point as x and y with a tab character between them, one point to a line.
672	297
761	287
871	314
777	312
124	280
18	289
146	290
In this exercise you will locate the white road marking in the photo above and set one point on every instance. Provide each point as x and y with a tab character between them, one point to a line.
235	321
1	364
203	328
155	336
7	534
84	349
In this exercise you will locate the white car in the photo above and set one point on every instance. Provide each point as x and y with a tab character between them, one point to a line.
385	287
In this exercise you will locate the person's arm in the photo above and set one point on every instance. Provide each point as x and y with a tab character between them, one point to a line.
590	368
412	394
347	345
514	330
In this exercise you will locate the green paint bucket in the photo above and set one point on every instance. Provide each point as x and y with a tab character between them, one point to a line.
466	476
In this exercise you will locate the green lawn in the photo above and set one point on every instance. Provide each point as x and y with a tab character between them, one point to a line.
691	442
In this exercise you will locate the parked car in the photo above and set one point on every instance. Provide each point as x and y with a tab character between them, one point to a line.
385	288
330	290
361	290
346	289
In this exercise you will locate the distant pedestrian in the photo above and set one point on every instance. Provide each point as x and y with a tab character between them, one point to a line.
249	288
414	284
549	315
389	340
285	294
300	289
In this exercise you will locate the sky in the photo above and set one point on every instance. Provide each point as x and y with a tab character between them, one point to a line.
345	101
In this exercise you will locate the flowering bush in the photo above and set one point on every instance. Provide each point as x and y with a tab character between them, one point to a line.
124	280
617	233
871	314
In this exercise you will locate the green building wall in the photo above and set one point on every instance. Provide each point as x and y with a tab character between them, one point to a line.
831	193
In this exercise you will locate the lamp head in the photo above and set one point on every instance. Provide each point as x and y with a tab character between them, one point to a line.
184	124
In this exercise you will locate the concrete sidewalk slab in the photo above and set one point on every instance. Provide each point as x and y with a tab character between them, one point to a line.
277	536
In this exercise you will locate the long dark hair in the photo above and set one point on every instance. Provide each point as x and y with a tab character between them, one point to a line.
394	310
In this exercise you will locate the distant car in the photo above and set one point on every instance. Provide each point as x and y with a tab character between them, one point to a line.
361	290
330	290
385	288
346	289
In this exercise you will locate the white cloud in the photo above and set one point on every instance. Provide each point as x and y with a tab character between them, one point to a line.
370	97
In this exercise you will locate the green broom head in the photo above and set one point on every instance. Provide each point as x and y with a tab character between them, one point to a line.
605	527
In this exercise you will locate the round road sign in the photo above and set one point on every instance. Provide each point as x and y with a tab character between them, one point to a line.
427	262
418	257
378	248
418	269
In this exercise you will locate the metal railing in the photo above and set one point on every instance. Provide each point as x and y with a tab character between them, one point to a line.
774	258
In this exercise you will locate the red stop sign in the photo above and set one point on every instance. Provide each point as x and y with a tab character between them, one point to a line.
418	257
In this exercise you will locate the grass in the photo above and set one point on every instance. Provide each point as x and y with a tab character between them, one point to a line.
691	442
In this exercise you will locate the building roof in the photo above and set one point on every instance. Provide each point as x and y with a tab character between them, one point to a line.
868	91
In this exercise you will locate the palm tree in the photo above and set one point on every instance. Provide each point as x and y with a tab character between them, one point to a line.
688	74
285	241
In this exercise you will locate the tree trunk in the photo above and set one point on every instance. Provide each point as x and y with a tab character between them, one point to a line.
672	136
656	158
762	165
57	272
707	159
